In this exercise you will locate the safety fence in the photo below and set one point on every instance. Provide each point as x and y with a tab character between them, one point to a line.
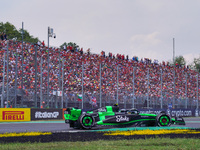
92	100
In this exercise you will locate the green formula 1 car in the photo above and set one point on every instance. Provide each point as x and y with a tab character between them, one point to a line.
111	115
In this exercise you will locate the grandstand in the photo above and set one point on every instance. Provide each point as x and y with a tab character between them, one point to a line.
153	85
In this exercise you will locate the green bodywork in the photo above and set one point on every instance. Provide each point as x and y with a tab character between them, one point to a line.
124	123
109	112
76	113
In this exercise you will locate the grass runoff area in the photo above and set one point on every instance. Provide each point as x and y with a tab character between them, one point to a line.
142	144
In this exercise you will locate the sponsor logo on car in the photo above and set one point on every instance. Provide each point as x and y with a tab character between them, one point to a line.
120	118
13	115
102	110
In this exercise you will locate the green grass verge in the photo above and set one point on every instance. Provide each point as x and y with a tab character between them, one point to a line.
147	144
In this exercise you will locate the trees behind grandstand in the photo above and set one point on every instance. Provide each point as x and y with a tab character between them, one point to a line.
179	61
65	45
13	33
197	64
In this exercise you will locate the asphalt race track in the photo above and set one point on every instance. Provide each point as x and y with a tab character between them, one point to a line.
60	126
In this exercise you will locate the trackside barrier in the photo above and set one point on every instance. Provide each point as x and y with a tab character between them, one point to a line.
15	114
29	114
46	114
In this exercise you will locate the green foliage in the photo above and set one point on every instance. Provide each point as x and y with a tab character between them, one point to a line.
74	45
64	44
179	60
13	33
197	64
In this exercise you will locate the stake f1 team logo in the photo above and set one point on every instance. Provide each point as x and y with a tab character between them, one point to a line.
13	115
120	118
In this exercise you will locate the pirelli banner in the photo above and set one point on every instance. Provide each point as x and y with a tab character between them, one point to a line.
46	114
15	114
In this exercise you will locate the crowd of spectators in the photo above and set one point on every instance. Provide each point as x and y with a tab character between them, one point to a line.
147	73
3	36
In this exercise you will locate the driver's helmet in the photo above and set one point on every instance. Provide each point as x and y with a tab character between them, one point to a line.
116	105
115	108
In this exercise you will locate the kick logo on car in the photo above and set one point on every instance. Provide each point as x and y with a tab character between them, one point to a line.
120	118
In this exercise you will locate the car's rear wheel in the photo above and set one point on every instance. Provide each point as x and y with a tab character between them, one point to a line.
163	120
86	121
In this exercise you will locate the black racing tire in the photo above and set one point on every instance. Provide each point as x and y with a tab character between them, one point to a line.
163	120
86	121
71	124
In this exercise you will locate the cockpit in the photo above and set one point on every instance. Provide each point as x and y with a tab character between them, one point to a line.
129	111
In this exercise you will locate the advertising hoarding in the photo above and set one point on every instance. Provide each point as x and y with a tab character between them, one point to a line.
14	114
46	114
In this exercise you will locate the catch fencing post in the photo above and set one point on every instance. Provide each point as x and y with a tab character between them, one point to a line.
22	82
16	73
36	76
41	82
186	96
197	91
161	95
100	88
59	80
2	94
82	83
174	90
62	82
117	82
133	101
7	74
148	88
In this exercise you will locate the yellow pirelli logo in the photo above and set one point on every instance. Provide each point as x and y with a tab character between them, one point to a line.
14	114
